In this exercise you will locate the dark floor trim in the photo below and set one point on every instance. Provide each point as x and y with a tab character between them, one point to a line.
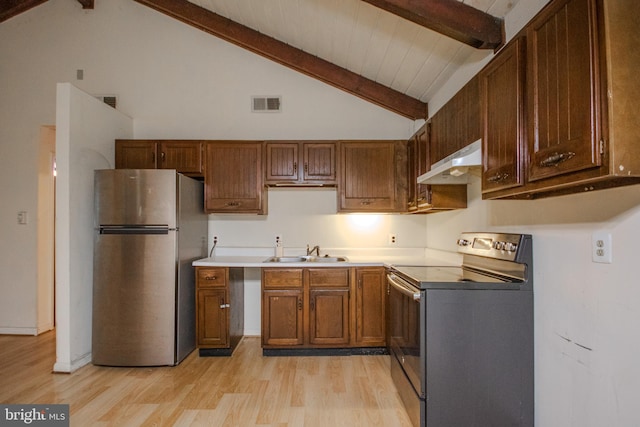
215	352
359	351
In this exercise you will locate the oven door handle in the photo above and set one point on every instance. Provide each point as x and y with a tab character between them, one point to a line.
403	287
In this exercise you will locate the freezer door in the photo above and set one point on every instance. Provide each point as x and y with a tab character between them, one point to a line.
135	197
134	292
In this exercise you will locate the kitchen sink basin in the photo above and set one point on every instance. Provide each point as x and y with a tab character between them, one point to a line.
286	259
328	259
322	259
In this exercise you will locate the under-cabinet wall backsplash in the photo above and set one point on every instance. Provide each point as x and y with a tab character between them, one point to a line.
304	216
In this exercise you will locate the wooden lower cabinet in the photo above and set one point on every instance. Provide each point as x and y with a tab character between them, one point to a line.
370	311
329	316
328	306
282	320
213	327
219	309
282	307
325	307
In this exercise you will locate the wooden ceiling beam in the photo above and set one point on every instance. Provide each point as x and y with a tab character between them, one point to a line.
11	8
291	57
451	18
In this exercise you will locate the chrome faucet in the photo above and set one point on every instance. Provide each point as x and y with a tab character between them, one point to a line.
315	248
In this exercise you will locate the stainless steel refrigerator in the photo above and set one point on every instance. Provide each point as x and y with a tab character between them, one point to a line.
149	227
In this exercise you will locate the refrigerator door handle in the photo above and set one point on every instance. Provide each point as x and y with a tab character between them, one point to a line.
162	229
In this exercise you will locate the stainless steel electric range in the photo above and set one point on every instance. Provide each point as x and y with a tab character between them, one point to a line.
461	338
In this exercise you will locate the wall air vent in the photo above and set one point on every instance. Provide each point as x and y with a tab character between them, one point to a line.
110	100
266	104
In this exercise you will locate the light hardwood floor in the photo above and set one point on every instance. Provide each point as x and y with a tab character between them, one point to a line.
246	389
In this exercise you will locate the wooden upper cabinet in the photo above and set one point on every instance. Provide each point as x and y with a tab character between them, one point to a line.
373	176
136	154
233	178
580	134
281	162
502	85
457	124
184	156
300	163
418	164
564	108
424	198
319	162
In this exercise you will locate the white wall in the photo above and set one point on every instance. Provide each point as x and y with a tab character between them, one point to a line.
176	82
85	130
308	216
586	314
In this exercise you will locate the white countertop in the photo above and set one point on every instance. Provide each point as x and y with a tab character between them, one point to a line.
363	257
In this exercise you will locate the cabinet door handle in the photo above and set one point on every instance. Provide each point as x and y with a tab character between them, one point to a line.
360	284
295	167
365	202
211	278
222	304
232	204
556	158
162	156
306	168
499	177
300	304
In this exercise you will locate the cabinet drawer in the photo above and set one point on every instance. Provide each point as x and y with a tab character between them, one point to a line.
211	277
329	277
282	278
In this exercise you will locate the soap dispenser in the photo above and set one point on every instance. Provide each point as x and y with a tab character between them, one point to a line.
279	248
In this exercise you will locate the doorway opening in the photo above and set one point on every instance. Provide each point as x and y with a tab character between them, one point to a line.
46	229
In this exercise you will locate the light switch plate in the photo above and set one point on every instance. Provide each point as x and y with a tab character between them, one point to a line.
23	217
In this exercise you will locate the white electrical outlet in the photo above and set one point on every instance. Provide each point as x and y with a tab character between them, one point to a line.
392	239
601	247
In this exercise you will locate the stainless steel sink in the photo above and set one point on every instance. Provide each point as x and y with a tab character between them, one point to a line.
286	259
328	259
322	259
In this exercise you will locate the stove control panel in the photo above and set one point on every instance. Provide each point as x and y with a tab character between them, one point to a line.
492	245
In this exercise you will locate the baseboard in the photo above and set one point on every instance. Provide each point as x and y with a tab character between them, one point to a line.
73	366
18	331
45	328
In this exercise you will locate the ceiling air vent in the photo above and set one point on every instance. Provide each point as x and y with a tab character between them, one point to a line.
266	104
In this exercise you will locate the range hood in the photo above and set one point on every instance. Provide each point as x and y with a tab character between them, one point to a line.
454	169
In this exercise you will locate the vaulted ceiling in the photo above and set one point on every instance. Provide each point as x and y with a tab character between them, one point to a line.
394	53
